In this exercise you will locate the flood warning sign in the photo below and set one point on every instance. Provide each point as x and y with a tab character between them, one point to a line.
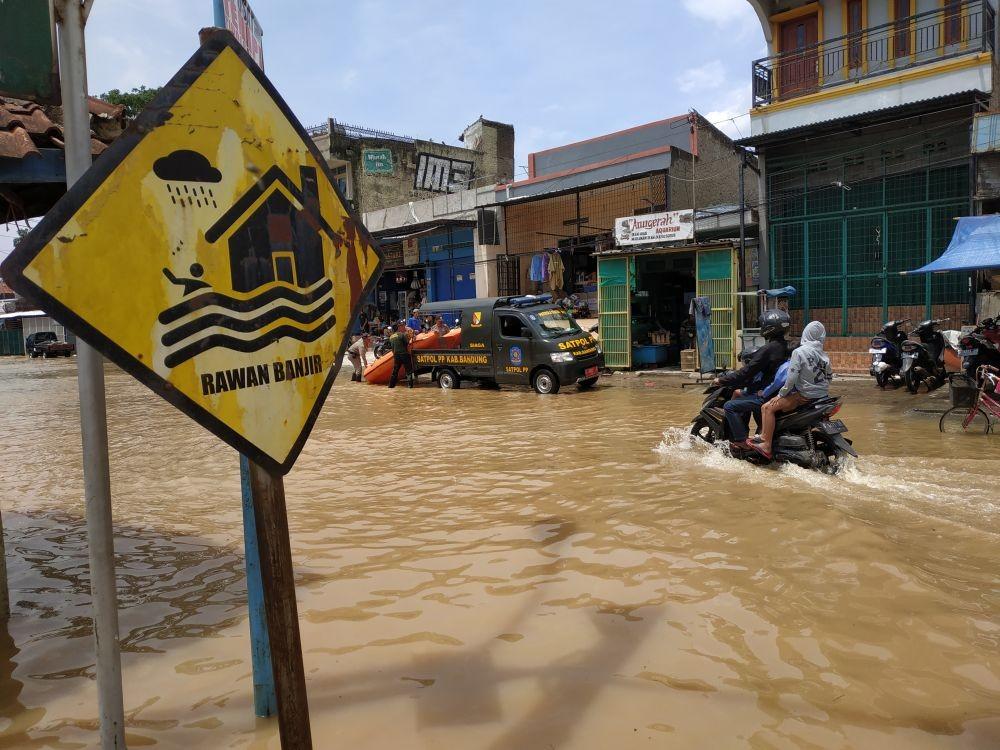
209	254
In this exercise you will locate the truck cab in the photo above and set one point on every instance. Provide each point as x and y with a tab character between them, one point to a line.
515	341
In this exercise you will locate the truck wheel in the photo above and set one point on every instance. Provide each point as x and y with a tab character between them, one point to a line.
449	380
545	382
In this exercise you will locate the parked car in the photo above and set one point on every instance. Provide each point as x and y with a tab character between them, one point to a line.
47	344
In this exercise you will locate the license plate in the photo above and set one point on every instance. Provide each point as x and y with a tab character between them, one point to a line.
590	372
877	351
968	352
833	427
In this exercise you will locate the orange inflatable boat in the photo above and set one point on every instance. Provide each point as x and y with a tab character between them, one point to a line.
379	371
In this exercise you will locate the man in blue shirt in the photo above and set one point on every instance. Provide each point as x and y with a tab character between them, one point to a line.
413	322
739	409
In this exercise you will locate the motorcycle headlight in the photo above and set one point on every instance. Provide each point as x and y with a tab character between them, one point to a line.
561	357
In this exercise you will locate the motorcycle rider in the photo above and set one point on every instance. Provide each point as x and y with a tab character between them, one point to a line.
808	378
758	372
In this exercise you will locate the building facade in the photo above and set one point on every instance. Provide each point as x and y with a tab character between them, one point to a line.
377	170
861	121
574	194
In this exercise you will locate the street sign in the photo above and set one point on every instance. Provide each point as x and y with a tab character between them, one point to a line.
377	161
208	253
29	67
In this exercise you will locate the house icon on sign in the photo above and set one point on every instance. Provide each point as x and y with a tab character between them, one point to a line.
274	232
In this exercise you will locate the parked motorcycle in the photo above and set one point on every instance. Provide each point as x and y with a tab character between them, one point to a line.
807	437
980	347
380	346
887	357
923	359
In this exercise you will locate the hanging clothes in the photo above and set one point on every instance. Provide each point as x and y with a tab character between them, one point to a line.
539	265
556	271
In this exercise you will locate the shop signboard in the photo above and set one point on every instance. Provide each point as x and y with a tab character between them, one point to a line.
240	20
392	256
377	161
668	226
411	252
28	64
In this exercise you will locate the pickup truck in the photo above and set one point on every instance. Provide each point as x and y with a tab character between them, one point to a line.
47	344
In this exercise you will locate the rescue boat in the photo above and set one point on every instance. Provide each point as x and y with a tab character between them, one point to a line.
379	371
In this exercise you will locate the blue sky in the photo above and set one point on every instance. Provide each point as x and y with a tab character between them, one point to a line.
558	70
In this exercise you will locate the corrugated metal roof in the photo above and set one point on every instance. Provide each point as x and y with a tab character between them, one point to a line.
871	117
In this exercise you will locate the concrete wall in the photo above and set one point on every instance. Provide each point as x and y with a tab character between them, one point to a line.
489	148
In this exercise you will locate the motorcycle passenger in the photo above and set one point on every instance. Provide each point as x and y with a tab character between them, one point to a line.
759	371
809	376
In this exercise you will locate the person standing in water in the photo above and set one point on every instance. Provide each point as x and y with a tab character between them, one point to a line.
809	376
357	354
400	343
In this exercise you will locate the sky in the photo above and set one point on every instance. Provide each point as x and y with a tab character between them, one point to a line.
558	70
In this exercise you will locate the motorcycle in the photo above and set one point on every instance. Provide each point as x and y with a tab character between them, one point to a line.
808	437
980	347
886	354
923	360
380	346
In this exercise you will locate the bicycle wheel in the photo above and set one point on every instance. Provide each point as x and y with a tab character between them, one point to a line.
954	420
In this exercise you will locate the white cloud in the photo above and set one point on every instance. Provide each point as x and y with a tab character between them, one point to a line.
721	12
708	76
732	117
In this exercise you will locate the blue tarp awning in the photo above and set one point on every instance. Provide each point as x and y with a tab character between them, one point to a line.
975	245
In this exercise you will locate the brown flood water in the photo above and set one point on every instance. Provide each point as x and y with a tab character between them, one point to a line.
501	570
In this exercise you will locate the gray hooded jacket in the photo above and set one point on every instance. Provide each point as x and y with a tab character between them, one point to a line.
809	372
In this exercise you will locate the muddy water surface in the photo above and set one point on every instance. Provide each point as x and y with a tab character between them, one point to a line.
500	570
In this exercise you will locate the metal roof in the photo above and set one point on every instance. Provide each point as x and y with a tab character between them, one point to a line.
865	119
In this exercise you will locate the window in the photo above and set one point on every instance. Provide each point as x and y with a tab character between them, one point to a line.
952	21
855	24
512	327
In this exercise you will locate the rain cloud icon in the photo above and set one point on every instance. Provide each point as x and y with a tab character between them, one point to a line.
186	173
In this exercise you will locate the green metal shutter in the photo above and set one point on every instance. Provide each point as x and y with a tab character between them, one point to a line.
614	304
715	280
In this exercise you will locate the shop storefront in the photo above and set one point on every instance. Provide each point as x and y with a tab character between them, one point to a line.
645	294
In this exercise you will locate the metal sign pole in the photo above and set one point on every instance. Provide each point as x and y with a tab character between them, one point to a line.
265	703
93	417
274	547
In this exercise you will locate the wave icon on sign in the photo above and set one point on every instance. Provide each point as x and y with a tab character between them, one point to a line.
280	287
212	319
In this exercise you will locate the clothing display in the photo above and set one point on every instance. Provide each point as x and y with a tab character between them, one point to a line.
556	271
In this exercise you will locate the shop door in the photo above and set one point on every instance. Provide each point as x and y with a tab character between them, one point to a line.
715	279
614	303
798	71
465	279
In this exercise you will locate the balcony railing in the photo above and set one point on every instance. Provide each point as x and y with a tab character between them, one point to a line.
939	34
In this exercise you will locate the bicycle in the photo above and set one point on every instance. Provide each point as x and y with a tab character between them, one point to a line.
976	417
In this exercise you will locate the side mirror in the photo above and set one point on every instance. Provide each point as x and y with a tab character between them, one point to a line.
526	333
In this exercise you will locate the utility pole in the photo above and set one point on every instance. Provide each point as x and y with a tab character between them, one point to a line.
743	230
693	116
72	17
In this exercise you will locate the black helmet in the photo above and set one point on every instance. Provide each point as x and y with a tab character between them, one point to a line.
774	324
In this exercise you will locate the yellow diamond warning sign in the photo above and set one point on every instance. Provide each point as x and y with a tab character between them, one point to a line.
209	254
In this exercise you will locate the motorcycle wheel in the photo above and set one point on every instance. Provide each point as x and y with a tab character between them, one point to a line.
953	421
703	430
881	380
912	384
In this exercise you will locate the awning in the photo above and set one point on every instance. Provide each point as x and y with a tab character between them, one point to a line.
974	246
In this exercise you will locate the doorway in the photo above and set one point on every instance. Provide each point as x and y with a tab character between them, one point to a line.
798	72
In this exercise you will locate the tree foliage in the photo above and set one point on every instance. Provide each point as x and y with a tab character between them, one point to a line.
133	101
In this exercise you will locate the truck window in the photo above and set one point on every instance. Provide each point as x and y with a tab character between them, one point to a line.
512	327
